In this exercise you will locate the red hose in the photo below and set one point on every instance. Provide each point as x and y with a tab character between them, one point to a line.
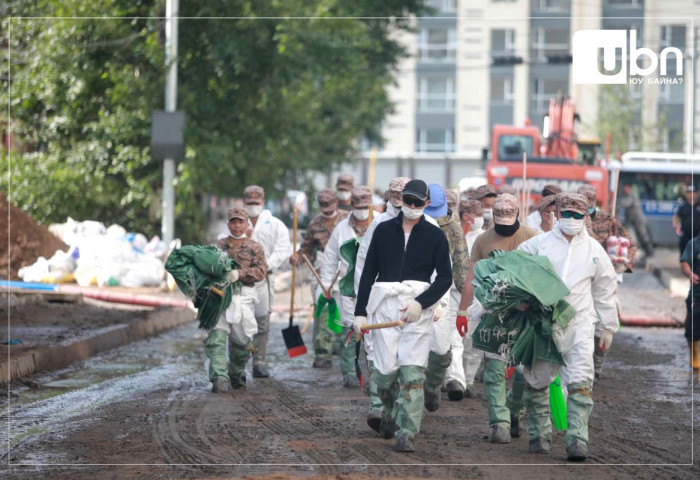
127	298
644	321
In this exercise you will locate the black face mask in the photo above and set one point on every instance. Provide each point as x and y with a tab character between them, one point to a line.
507	230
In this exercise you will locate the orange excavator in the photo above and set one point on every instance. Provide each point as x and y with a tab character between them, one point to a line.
556	155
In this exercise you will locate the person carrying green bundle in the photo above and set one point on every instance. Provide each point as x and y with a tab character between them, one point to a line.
237	323
586	270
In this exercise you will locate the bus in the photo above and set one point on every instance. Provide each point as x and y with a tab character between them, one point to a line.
657	180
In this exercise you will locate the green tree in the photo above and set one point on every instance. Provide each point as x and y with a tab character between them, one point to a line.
268	101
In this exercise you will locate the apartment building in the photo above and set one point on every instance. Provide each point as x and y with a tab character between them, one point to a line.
477	63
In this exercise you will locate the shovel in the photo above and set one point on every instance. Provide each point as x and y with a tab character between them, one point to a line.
292	335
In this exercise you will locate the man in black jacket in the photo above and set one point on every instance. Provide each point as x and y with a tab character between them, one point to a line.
395	285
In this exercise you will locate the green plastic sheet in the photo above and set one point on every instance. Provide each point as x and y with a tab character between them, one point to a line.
197	268
504	281
348	252
333	320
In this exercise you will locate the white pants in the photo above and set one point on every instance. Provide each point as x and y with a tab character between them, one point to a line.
347	309
455	372
264	291
441	340
238	320
575	343
398	346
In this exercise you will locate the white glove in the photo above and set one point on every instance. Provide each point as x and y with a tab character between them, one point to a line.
233	276
359	322
605	340
409	311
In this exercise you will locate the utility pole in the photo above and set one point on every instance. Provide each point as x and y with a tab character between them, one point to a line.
172	8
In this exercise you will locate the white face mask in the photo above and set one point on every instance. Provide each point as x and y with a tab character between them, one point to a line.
571	226
478	224
238	238
335	212
361	214
393	210
412	213
343	195
253	210
488	214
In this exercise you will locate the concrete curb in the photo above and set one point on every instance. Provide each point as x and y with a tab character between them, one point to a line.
60	356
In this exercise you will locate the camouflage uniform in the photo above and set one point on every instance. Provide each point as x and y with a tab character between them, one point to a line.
253	268
346	181
249	255
315	239
458	248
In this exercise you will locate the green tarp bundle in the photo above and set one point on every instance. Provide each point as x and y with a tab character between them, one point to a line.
504	281
348	252
195	269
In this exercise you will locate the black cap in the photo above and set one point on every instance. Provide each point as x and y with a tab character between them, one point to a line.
417	188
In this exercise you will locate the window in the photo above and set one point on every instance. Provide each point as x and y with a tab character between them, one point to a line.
501	90
436	94
502	42
434	140
543	90
512	147
669	93
555	5
550	41
672	36
446	6
625	3
438	44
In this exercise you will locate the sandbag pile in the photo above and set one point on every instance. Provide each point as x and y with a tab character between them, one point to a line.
102	256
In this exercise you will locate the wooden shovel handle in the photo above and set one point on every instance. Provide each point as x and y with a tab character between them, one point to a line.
377	326
318	278
217	291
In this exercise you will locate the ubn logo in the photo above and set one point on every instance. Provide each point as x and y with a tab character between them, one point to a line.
587	44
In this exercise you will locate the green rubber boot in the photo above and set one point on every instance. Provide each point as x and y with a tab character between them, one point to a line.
347	355
434	376
579	406
539	423
514	402
495	391
323	339
237	359
410	401
215	348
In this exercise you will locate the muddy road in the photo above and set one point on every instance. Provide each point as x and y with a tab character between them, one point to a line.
145	411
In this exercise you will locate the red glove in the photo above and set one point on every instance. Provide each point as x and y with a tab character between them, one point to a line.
462	324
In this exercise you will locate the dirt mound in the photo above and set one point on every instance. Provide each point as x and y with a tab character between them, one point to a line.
28	240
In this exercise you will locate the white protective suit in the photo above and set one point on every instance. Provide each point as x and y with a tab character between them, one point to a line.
273	236
534	220
238	320
586	270
398	346
465	359
362	256
333	262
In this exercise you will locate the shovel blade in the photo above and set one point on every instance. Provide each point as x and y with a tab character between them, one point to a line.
293	341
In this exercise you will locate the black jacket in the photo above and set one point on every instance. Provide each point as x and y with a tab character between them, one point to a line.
388	261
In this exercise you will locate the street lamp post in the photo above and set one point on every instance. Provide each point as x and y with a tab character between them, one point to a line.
171	13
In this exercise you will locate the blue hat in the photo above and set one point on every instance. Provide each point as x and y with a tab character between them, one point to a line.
438	201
